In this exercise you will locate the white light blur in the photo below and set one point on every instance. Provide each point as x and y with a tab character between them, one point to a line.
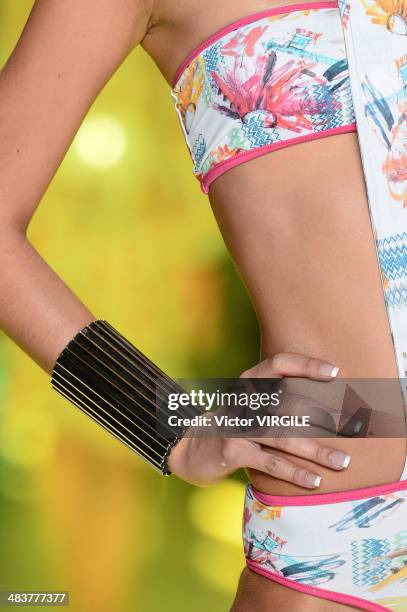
101	142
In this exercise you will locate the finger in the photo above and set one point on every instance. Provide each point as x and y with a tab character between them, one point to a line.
312	430
298	406
280	467
322	417
310	449
292	364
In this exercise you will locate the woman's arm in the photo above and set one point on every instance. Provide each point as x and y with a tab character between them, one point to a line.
67	52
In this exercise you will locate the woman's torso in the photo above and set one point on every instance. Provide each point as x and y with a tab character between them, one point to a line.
297	225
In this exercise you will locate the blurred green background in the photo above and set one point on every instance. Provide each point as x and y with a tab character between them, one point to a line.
125	225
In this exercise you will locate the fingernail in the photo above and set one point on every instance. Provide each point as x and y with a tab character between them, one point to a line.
313	480
327	369
339	459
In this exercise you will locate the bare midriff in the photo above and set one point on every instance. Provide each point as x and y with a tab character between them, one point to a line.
297	224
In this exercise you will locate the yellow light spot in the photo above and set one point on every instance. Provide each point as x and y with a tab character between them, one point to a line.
29	441
217	512
101	142
218	564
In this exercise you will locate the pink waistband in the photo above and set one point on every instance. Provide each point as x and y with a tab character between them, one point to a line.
329	498
277	10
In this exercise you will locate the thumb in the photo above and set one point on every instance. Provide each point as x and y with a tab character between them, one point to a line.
292	364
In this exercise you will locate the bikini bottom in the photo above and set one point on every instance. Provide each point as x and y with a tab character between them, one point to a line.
349	547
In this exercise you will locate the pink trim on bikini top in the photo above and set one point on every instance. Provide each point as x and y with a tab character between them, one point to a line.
329	498
245	156
244	21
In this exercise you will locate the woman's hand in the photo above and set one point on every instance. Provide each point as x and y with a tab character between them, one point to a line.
208	460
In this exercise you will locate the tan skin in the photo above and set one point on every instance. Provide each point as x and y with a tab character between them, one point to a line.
322	298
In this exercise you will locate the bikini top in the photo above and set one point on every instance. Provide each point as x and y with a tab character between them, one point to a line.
271	79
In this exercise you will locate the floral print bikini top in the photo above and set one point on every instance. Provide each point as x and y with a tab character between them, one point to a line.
269	80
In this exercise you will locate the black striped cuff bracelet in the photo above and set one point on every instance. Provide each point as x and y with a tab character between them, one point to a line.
111	381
